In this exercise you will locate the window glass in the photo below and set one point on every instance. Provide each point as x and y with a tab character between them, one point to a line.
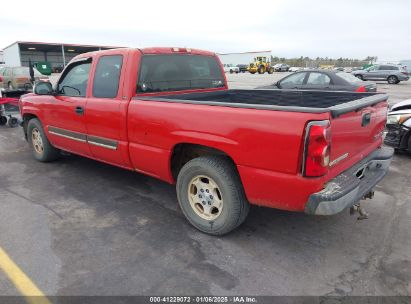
373	68
74	82
107	76
349	77
293	80
159	73
318	79
384	67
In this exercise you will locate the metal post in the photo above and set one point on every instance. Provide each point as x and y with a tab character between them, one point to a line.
64	56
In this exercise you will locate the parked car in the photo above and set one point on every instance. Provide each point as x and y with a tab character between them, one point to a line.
281	67
18	78
294	69
390	72
230	68
323	80
224	149
399	126
338	69
242	68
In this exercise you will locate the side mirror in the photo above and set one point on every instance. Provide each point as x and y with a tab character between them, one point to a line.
277	84
43	88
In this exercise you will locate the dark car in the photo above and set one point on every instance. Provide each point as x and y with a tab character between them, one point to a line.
398	126
323	80
243	67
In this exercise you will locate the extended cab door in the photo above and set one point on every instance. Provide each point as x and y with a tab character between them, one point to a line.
106	110
64	111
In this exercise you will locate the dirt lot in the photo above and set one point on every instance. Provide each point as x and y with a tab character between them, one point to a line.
79	227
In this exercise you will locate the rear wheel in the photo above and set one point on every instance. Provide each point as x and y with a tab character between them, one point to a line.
13	122
3	120
231	71
270	70
211	195
392	79
359	77
42	149
261	70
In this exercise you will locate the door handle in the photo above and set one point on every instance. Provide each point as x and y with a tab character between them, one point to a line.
79	110
366	119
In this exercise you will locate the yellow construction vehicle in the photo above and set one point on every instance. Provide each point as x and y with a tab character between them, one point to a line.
261	65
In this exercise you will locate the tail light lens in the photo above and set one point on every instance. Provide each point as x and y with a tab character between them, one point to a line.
361	89
1	79
317	148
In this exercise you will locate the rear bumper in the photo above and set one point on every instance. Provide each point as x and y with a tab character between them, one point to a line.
347	188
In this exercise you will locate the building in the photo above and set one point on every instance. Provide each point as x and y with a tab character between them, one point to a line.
57	54
1	57
242	58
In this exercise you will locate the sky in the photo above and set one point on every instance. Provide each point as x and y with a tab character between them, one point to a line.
289	28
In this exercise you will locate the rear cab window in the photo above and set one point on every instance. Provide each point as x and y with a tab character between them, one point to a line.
107	76
176	72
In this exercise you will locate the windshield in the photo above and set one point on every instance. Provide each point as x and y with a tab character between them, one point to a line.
24	71
160	73
349	77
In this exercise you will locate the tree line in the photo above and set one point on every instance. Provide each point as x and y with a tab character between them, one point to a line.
315	63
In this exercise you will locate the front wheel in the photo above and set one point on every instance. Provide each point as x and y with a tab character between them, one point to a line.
42	149
211	195
270	70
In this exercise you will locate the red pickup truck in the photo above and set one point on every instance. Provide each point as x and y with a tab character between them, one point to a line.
168	113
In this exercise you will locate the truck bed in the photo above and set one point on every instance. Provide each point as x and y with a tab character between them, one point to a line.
281	100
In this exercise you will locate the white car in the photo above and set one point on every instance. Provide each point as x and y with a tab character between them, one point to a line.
294	69
230	68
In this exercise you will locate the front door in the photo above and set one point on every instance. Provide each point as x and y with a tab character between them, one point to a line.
64	113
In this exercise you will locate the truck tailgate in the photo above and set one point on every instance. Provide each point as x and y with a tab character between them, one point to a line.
354	135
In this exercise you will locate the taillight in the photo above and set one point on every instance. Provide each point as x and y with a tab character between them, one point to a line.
1	79
405	73
317	148
361	89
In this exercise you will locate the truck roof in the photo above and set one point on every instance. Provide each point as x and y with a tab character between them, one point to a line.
152	50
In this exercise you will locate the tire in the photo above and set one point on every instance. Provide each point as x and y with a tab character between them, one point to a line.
261	70
231	71
252	73
392	79
270	70
13	122
359	77
212	181
3	120
42	149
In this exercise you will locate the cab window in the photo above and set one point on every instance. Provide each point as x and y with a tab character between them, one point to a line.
107	76
75	79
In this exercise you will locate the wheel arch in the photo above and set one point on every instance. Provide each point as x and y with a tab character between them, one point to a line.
184	152
26	118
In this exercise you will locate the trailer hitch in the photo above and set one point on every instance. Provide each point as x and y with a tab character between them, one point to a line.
363	214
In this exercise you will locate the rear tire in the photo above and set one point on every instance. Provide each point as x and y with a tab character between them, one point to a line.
261	70
42	149
270	70
359	77
392	79
211	195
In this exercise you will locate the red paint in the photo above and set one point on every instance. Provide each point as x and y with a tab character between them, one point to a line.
266	146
